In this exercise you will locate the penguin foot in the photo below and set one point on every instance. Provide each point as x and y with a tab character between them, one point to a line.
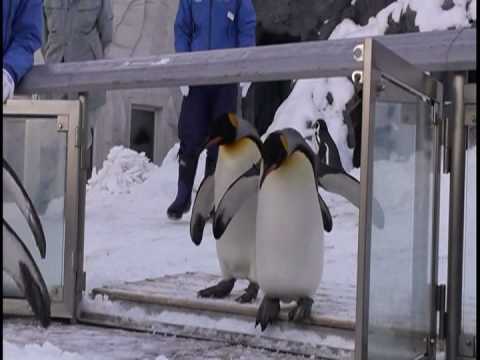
249	295
267	312
219	291
302	311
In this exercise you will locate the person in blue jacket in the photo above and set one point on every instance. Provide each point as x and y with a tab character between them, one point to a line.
22	36
206	25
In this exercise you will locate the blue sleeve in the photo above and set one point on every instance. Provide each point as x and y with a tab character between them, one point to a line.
26	33
183	27
247	21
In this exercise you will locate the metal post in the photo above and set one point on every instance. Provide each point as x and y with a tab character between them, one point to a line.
456	219
370	78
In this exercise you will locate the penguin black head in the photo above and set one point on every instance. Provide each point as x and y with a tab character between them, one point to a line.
228	128
281	144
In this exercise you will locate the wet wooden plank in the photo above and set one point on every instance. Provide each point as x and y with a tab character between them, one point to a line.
295	339
334	304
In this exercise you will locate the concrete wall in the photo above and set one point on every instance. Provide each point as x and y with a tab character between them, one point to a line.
141	28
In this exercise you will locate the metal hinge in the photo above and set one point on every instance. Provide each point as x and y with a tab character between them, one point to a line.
62	123
467	346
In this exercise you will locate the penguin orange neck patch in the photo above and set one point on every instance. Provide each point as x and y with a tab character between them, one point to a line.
233	119
284	141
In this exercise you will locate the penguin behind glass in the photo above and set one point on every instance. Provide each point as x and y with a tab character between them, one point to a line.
18	262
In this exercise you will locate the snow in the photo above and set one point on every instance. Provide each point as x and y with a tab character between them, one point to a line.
46	351
308	102
429	17
121	170
279	332
472	10
127	234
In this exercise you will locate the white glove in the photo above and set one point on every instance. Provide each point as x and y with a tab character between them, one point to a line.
245	86
184	90
8	86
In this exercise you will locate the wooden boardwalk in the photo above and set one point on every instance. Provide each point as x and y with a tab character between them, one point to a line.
172	307
334	304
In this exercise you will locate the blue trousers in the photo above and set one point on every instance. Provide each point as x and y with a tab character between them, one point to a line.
199	109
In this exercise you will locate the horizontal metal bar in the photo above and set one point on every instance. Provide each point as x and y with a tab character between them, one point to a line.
432	51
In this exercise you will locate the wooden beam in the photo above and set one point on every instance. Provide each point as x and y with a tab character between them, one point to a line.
432	51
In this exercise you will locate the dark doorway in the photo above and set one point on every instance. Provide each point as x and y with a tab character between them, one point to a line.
142	130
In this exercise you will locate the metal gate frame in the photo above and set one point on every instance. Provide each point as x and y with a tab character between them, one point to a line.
70	118
379	62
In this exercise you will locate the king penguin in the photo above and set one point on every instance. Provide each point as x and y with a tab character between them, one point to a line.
291	219
239	153
18	262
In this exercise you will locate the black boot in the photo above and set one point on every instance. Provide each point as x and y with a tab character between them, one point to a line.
186	175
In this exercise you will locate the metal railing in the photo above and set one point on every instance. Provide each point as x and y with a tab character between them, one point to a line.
452	50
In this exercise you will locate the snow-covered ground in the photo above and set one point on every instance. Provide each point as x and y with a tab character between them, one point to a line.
24	340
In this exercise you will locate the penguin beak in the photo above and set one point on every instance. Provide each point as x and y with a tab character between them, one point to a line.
266	172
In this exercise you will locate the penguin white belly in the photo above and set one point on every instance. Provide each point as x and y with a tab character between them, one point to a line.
289	234
236	247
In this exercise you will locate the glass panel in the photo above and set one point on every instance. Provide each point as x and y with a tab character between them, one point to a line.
469	298
38	153
401	251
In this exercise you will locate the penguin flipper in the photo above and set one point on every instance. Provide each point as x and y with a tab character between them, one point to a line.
233	199
202	208
326	215
20	265
345	185
339	182
14	186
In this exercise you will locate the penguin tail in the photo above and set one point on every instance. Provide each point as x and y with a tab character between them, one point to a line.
36	295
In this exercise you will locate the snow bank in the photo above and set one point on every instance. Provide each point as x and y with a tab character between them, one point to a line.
122	169
47	351
429	17
472	10
308	102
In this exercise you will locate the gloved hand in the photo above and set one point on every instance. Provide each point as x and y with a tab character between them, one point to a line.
244	86
8	86
185	90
